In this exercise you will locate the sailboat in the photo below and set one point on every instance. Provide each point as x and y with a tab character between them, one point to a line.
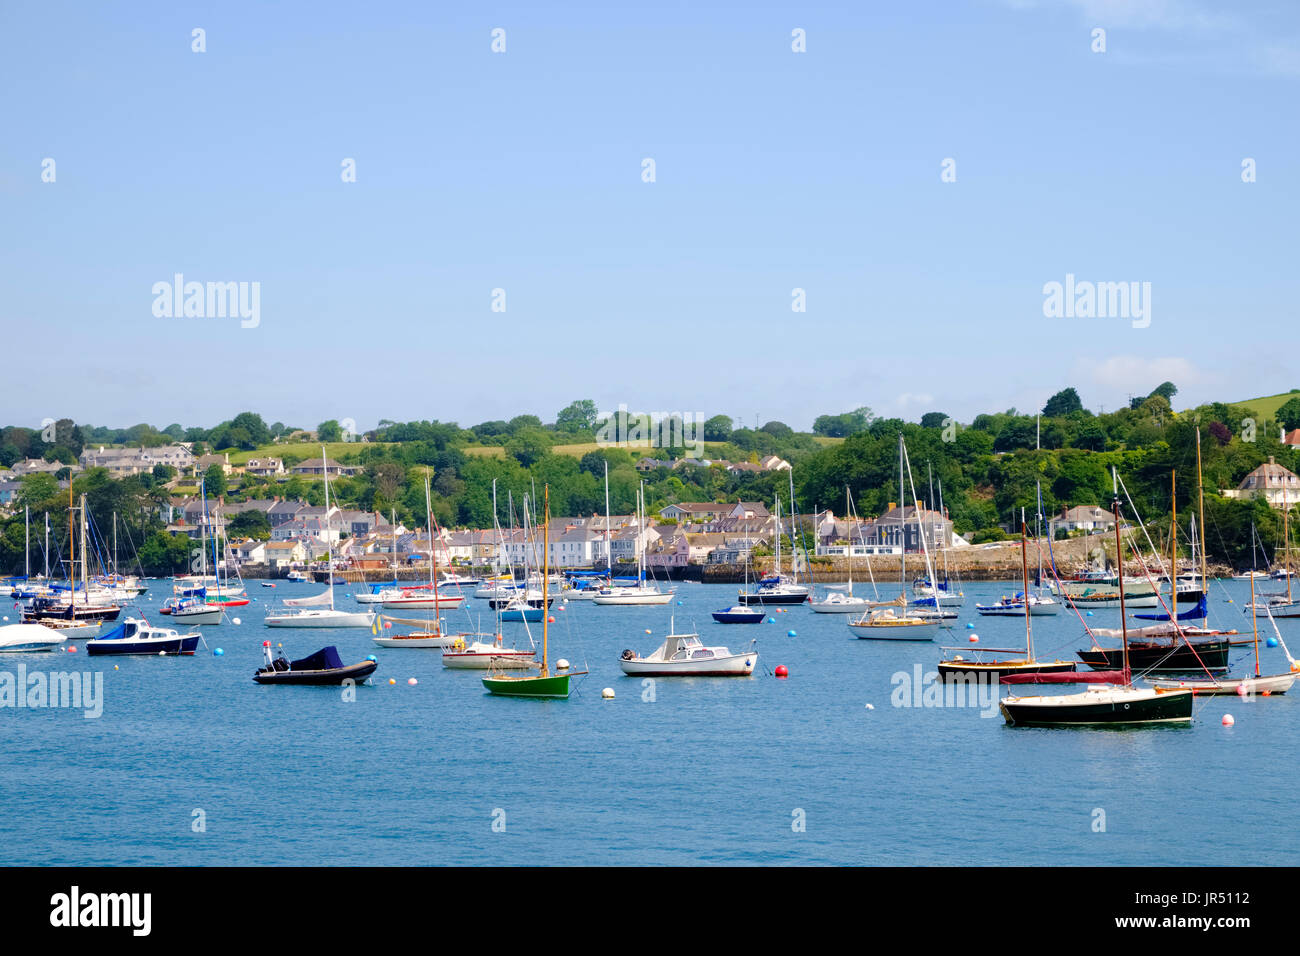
375	594
67	617
423	634
882	623
839	600
309	612
1280	604
544	683
1103	704
585	585
741	613
957	667
488	651
640	593
1266	685
778	588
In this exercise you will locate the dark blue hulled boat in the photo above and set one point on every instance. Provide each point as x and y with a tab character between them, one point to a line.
739	614
323	667
134	636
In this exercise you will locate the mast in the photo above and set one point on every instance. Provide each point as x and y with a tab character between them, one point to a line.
325	472
902	527
1200	495
1286	543
47	546
1119	561
1173	539
546	575
27	541
1024	570
72	548
848	510
433	554
85	577
1254	618
609	554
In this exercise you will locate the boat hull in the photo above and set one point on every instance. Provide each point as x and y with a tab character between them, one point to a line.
1110	707
485	660
1231	687
181	644
956	670
342	619
334	676
551	686
895	632
772	599
738	665
1161	658
654	597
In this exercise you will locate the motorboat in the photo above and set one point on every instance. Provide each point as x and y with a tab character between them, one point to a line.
739	614
136	636
29	637
325	667
685	655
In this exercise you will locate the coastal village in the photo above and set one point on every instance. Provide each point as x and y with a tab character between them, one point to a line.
705	540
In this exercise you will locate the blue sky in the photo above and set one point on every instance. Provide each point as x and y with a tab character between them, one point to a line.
522	171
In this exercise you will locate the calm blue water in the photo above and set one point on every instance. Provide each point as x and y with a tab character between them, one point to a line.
711	771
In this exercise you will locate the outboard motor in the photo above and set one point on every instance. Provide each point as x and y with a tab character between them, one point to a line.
629	655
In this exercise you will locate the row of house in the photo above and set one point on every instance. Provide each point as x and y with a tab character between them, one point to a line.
767	463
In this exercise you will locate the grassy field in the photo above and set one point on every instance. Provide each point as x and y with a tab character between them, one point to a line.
1266	406
304	450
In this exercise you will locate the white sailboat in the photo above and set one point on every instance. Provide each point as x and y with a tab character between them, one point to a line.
842	600
885	623
307	614
640	593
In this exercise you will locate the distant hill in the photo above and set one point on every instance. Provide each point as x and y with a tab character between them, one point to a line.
1268	405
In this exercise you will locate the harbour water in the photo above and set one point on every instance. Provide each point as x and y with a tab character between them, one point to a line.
191	763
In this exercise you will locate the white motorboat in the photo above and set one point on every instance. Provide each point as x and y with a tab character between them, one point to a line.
418	599
685	655
31	637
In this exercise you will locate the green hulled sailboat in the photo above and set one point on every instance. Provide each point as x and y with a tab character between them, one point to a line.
544	684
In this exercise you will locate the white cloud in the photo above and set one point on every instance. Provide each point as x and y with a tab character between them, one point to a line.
1133	373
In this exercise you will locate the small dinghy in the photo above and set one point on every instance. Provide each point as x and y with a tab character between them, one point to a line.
323	667
739	614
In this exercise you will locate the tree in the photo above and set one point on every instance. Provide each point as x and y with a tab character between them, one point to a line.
250	524
1167	390
1064	402
214	481
529	445
718	428
329	431
577	416
1289	413
933	420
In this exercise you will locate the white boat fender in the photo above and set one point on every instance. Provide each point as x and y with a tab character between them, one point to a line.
562	664
607	693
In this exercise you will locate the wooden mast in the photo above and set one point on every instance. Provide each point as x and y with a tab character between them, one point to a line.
1024	569
546	574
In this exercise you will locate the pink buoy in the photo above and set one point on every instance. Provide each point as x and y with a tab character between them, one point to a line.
974	638
413	682
1227	720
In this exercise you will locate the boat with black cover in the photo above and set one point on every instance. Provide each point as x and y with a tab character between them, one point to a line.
323	667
